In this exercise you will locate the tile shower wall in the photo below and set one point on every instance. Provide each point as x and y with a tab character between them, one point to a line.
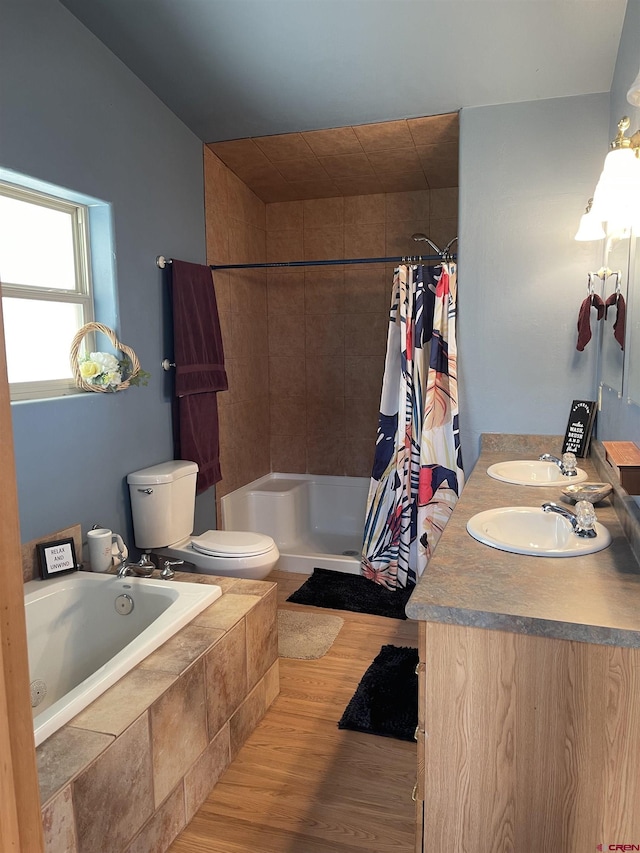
328	325
235	226
305	347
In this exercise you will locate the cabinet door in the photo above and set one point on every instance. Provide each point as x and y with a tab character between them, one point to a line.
531	742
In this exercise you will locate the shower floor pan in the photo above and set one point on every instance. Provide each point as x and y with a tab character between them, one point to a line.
316	521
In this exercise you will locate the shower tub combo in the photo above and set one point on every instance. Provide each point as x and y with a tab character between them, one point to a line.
317	521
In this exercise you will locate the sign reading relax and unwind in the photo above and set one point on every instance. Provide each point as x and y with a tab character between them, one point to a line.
579	428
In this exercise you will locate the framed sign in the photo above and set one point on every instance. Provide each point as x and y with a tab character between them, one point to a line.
580	427
57	558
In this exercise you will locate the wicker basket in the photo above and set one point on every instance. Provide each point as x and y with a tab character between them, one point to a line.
75	364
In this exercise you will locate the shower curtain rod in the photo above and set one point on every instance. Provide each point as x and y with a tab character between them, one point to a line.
161	261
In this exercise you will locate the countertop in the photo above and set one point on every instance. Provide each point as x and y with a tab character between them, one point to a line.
593	598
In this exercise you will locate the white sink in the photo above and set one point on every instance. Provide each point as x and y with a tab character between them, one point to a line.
533	472
530	530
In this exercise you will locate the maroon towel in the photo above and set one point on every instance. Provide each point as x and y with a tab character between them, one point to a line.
584	319
617	299
198	352
200	371
198	439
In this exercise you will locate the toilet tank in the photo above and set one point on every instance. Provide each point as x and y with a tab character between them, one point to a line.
163	503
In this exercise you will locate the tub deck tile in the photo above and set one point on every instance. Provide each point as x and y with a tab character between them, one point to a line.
178	731
206	771
65	754
113	798
158	833
58	824
181	650
262	640
123	703
226	677
224	583
252	587
226	611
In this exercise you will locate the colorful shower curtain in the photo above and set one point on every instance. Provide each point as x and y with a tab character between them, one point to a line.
417	471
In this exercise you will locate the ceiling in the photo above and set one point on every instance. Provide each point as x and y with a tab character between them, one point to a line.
233	69
321	98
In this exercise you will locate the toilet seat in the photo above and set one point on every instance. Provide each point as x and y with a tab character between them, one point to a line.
232	543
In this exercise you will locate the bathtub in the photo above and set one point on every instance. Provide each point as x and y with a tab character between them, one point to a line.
85	631
316	521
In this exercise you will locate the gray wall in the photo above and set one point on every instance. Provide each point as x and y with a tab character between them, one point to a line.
73	115
526	172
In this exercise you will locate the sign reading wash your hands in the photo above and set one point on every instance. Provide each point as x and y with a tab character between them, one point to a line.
579	428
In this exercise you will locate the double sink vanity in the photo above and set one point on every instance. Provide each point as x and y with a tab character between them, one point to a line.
529	674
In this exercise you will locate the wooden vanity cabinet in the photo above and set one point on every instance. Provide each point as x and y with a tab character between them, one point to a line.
526	744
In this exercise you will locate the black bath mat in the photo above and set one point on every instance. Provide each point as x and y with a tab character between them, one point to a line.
340	591
386	701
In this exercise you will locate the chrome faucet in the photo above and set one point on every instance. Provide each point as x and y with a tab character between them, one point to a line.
167	572
567	464
582	520
144	568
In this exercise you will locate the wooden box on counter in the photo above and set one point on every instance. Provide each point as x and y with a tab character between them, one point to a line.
624	458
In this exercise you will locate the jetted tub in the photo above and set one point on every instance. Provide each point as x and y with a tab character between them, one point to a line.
85	631
317	521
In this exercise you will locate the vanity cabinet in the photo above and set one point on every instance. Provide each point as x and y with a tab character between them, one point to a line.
532	743
529	684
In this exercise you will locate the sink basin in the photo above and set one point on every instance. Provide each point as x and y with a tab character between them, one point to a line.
533	472
530	530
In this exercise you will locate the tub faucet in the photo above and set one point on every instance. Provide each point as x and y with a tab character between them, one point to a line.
567	464
145	566
582	520
125	569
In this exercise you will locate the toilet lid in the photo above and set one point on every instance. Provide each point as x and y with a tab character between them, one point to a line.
232	543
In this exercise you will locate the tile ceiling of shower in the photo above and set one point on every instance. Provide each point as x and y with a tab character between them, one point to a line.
394	156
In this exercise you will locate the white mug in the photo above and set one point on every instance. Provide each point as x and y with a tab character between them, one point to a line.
100	542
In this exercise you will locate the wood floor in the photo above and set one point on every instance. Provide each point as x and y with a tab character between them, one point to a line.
299	784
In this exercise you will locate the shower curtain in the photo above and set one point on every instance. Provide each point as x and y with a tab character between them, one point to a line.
417	472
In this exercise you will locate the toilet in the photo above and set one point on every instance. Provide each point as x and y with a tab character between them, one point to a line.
163	504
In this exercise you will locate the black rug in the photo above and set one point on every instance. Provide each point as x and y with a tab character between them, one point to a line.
339	591
386	701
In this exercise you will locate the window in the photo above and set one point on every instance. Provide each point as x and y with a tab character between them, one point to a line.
45	273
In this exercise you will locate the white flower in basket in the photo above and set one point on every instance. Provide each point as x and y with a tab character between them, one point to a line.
102	368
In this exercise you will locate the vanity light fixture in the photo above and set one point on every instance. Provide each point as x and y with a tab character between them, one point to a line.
616	199
590	227
633	95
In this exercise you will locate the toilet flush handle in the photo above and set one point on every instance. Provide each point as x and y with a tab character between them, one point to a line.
146	491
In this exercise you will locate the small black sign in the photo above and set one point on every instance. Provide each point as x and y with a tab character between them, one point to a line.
578	435
57	558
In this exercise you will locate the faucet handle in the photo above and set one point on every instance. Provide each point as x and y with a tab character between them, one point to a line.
585	515
167	572
569	464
